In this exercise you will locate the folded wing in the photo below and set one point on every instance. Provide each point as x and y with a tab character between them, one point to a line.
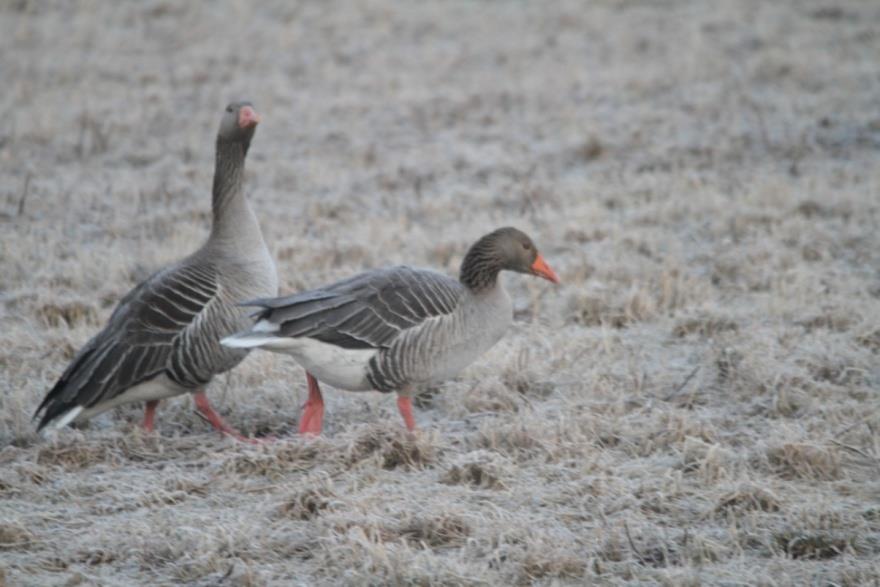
158	327
366	311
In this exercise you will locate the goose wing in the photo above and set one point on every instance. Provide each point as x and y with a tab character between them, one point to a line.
157	327
366	311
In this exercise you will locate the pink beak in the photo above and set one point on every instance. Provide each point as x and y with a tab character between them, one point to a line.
248	117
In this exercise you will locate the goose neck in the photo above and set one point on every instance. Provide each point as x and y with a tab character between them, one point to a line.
233	219
228	175
480	268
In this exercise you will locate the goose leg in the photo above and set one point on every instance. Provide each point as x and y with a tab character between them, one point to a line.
215	420
150	414
312	419
404	404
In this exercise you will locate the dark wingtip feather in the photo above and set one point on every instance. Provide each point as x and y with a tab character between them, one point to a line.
53	405
43	422
52	411
46	405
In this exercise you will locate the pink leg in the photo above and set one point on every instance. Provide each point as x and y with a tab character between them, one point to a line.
215	420
312	420
404	404
150	414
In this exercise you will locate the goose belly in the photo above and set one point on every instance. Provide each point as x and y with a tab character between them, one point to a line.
340	367
158	388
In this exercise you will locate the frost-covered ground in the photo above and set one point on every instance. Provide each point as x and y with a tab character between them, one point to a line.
698	402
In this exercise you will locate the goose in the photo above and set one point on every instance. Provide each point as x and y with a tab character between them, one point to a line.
163	338
396	328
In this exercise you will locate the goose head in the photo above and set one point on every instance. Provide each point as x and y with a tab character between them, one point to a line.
505	249
238	123
517	252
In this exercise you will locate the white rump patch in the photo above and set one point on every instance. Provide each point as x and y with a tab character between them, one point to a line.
336	366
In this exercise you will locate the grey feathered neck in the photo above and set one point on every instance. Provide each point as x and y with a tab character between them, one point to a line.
481	264
228	173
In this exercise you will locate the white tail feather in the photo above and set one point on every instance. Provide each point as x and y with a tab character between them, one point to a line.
247	340
68	417
265	326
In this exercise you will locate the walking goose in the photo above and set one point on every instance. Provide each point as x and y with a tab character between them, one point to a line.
392	329
163	339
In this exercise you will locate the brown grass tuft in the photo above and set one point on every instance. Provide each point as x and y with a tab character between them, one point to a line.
98	556
704	326
561	565
748	498
306	504
870	339
194	487
597	309
77	454
71	314
813	546
393	448
522	377
491	395
445	531
590	150
480	468
276	459
15	537
710	461
805	461
513	439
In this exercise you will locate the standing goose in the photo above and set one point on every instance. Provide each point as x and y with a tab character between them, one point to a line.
393	329
163	338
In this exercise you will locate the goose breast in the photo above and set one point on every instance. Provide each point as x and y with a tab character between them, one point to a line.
442	346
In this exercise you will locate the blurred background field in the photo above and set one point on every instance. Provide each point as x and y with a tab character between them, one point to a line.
697	403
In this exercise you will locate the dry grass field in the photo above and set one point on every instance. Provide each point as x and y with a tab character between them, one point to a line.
697	404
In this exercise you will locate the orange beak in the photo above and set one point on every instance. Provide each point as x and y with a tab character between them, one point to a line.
542	269
248	117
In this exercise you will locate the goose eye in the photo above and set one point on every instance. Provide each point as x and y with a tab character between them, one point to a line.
527	246
229	108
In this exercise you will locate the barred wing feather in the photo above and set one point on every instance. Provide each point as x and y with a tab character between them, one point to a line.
156	328
366	311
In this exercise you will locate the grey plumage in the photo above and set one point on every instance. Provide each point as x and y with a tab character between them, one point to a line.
420	325
167	329
370	311
366	311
